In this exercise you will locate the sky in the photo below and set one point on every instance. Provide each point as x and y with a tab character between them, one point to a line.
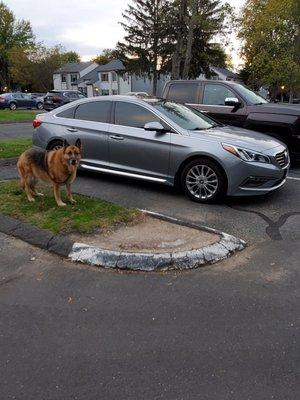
85	26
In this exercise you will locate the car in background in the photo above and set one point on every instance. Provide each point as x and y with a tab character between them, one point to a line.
234	104
138	94
166	142
57	98
20	100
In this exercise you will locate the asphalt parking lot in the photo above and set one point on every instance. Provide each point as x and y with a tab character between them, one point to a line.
226	331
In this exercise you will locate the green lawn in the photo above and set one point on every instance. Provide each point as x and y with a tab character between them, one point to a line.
17	115
85	216
13	147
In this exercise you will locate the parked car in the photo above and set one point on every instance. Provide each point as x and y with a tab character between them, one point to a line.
20	100
139	94
161	141
57	98
234	104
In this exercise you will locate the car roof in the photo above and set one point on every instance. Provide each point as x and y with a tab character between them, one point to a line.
202	80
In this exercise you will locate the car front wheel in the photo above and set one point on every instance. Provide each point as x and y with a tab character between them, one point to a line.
203	181
12	106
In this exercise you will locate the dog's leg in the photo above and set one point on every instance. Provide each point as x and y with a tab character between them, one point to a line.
69	192
28	190
32	187
58	199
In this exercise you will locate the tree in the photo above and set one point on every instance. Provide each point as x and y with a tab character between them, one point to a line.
33	69
270	33
15	35
71	57
146	47
199	24
106	56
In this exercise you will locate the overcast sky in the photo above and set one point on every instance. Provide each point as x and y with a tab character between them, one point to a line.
86	26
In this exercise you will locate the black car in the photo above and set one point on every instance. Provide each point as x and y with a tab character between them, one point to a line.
57	98
20	100
234	104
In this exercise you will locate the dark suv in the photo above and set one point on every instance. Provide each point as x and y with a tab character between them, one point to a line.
234	104
56	98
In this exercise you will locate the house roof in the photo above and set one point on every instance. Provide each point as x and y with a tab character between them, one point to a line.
73	67
92	77
225	71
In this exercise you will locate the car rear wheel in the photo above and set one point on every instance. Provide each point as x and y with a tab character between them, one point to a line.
203	181
12	106
57	144
39	106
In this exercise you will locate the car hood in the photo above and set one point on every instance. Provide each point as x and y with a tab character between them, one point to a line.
239	137
273	108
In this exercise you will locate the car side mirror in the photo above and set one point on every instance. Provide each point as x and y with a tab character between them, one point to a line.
154	126
233	102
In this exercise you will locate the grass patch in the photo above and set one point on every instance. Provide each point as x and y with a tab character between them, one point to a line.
17	115
85	216
14	147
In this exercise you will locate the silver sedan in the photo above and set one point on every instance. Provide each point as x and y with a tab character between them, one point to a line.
161	141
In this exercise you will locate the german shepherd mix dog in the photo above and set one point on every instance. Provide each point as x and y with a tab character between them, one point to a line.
56	166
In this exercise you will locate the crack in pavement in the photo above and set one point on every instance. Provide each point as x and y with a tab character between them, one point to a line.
273	228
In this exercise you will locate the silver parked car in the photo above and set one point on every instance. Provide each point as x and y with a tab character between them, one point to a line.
162	141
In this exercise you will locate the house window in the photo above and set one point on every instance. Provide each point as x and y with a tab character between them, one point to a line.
114	91
104	77
63	78
114	76
73	78
104	92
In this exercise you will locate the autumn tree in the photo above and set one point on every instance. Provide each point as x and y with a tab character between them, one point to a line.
105	56
269	30
33	69
15	35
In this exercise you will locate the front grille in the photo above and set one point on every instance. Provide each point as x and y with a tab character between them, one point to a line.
282	158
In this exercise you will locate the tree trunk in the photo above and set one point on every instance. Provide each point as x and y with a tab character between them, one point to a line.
190	40
177	56
291	95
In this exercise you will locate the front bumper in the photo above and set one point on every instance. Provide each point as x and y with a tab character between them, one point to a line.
253	178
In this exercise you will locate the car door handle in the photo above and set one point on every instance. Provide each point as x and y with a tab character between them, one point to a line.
117	137
72	129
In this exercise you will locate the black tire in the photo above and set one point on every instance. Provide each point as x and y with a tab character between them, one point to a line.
55	145
203	181
13	106
39	105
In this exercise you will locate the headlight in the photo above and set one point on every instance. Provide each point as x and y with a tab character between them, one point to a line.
245	154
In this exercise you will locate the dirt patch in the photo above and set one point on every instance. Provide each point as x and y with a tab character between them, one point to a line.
151	235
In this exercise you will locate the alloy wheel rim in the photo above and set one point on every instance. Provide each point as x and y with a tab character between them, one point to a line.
202	182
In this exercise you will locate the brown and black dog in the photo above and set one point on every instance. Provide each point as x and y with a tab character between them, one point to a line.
56	166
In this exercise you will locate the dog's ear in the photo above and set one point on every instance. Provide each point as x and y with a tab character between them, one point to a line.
65	143
78	143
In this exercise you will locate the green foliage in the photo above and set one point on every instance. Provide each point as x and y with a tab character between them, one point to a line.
86	215
14	34
33	69
270	33
106	56
146	48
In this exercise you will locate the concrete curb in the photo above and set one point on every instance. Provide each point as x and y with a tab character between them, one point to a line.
46	240
4	162
210	254
93	255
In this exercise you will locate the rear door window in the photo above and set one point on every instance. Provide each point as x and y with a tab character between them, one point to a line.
128	114
98	111
68	113
216	94
183	92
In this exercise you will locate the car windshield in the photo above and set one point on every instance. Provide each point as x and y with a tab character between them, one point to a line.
251	97
185	117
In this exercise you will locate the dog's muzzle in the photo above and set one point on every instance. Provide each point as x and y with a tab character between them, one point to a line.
72	161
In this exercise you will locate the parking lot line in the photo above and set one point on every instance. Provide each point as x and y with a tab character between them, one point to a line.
291	177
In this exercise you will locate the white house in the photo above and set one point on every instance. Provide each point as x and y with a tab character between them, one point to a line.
222	74
66	77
